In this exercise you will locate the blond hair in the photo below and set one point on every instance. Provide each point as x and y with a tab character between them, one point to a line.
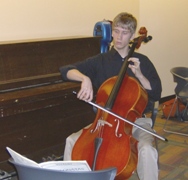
126	21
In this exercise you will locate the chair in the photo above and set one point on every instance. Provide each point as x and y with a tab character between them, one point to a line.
154	112
35	173
180	76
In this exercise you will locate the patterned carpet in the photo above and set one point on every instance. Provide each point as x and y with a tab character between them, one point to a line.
173	155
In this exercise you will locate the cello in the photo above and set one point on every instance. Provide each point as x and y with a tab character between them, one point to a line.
108	141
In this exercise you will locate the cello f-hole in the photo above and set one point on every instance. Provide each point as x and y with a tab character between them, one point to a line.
117	128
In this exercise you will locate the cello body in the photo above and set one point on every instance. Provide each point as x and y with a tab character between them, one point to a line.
118	148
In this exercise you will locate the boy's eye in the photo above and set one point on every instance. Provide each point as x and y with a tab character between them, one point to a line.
126	32
123	32
116	31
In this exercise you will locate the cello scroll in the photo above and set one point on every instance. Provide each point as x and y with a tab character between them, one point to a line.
143	38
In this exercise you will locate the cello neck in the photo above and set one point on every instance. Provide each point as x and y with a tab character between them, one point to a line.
135	45
121	75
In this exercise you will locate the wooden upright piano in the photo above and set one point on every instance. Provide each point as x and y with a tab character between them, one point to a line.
37	109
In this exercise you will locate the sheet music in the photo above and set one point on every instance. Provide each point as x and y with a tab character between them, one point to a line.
54	165
66	165
18	158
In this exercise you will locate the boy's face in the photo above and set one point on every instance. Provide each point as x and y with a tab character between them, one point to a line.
121	37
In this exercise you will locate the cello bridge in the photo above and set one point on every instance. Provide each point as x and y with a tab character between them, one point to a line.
101	123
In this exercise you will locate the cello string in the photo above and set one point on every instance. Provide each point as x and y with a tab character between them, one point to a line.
125	120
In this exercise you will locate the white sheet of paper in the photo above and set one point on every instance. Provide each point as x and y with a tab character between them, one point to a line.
18	158
56	165
66	165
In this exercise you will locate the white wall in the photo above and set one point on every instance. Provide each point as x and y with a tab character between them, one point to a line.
31	19
166	21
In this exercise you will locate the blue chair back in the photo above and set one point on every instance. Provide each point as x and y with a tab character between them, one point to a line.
35	173
103	29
